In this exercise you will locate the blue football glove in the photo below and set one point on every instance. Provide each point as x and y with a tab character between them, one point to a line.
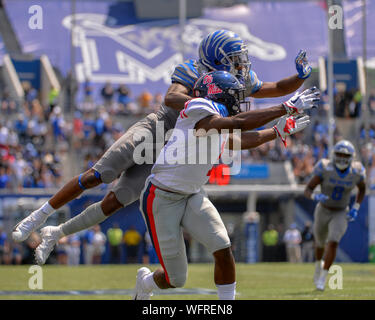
352	214
320	197
302	65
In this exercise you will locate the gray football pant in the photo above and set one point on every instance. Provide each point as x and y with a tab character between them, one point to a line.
329	225
166	213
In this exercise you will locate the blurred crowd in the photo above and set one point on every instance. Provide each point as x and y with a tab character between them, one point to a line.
292	245
29	149
91	246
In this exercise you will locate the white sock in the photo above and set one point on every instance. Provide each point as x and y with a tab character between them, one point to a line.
226	291
324	274
318	264
47	209
149	282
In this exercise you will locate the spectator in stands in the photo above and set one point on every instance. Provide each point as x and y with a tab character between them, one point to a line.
114	236
98	243
30	93
73	249
293	239
20	126
61	251
270	238
4	177
8	105
145	102
70	87
53	97
132	241
307	243
107	94
3	240
150	256
157	102
88	91
303	164
30	245
88	247
123	99
58	124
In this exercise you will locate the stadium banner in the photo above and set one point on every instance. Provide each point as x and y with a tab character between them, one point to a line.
346	72
28	70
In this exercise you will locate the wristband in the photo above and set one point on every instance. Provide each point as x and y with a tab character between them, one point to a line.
356	206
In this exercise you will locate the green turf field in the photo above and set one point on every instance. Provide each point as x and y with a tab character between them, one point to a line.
260	281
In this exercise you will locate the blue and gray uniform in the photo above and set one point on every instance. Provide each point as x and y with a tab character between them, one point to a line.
330	221
118	161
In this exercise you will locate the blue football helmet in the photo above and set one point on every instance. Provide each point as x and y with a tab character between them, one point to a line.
221	87
225	50
343	154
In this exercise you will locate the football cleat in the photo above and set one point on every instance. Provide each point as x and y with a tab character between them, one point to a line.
140	293
320	285
25	227
50	236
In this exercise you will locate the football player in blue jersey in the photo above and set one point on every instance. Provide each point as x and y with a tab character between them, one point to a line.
220	50
337	178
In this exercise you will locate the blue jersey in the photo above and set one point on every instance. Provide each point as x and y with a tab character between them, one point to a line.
188	72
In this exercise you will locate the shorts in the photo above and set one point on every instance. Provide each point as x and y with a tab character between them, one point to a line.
329	225
118	162
166	215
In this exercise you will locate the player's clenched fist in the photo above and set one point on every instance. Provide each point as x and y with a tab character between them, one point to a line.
302	101
289	125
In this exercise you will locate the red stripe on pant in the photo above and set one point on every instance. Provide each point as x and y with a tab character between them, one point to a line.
150	215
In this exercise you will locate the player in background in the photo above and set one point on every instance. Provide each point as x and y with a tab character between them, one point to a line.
220	50
173	197
337	178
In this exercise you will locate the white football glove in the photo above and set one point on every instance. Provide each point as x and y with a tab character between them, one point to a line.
302	101
288	125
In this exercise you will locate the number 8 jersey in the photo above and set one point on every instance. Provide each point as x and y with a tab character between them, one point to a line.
338	185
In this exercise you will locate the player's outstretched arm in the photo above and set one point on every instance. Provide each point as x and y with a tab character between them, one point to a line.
253	119
176	96
289	84
285	126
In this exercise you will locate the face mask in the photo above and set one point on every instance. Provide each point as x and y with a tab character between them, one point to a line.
342	163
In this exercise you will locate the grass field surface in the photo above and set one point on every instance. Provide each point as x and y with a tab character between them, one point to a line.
262	281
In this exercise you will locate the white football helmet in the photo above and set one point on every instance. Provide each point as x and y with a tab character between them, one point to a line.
343	154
